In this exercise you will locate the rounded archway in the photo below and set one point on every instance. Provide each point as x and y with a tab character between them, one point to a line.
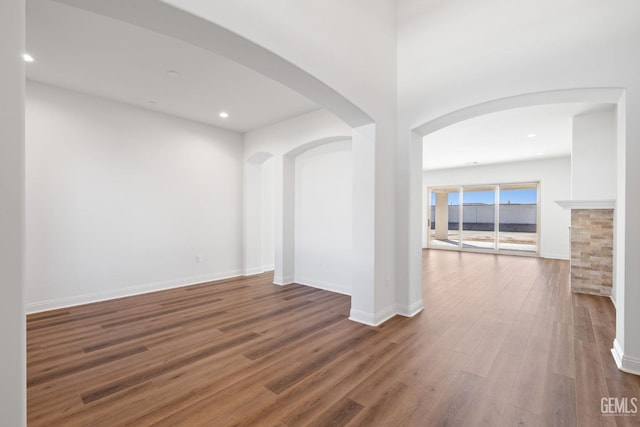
615	96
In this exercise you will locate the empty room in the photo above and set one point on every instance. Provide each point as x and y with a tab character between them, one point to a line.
370	213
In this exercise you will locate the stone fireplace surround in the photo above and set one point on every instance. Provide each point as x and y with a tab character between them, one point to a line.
592	223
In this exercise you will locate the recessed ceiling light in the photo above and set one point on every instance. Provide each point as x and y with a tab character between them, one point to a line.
531	135
173	73
540	153
27	57
224	114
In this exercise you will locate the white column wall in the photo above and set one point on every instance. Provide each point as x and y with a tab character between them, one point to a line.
363	301
626	346
284	217
267	232
12	303
593	156
408	220
253	205
258	235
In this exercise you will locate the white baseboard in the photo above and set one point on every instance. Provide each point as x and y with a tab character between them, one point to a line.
319	284
625	363
282	281
410	310
563	257
375	319
36	307
252	271
257	270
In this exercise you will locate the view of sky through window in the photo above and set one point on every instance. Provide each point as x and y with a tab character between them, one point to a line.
516	196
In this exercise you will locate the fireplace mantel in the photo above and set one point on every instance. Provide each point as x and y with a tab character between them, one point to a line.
587	204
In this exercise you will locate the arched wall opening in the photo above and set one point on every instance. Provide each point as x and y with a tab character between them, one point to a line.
300	203
614	96
323	216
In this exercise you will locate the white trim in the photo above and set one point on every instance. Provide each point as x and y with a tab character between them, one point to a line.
563	257
410	310
372	319
36	307
625	363
282	281
319	284
613	300
587	204
258	270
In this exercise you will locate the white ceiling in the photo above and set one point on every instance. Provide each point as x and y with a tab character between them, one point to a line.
91	53
504	136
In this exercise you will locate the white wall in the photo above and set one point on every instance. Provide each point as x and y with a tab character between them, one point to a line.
13	394
122	200
554	176
268	219
323	217
593	156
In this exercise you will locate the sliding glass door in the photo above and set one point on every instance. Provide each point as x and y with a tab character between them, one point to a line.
465	218
443	220
519	218
478	218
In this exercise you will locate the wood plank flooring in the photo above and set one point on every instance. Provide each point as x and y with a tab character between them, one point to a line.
502	342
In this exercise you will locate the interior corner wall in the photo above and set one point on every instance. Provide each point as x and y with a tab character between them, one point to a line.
554	176
593	156
122	200
13	394
323	217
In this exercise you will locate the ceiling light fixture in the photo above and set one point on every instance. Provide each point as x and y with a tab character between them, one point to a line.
531	135
224	114
27	57
540	153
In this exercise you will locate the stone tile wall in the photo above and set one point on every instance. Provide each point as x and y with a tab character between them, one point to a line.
592	251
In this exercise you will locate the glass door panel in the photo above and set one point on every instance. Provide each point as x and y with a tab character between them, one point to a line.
478	218
443	227
518	229
453	220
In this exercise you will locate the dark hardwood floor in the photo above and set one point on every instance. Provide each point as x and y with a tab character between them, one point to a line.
502	342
